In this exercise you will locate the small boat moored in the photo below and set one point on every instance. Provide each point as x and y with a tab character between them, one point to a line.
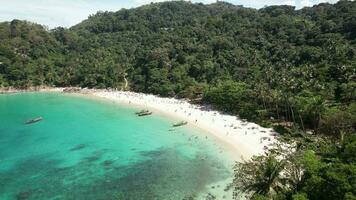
182	123
34	120
143	113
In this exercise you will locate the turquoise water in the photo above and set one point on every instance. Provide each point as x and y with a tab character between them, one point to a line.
91	149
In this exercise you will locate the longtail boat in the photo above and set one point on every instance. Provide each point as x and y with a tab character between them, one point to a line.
143	113
182	123
34	120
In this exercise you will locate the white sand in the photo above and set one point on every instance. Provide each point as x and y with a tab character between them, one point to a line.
9	90
246	138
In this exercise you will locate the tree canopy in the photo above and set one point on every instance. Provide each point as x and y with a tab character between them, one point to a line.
294	70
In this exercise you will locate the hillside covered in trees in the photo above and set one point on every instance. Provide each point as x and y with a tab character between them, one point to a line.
291	69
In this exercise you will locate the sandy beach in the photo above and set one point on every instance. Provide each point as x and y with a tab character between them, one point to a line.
10	90
246	138
239	139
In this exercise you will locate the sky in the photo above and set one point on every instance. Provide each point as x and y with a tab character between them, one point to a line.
66	13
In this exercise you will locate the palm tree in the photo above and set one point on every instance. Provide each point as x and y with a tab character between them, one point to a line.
261	176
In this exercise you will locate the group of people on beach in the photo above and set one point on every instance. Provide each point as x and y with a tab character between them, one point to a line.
227	126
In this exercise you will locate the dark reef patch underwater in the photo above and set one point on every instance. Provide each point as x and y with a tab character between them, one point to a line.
89	149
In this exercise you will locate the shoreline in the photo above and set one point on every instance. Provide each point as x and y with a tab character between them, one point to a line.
226	147
11	90
244	139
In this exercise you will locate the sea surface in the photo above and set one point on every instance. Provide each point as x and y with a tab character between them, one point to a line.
87	149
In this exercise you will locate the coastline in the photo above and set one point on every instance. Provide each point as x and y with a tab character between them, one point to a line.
244	139
11	90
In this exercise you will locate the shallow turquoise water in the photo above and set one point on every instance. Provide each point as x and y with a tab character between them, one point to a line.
90	149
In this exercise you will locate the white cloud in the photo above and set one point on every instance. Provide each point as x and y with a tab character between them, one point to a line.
289	2
326	1
306	3
51	12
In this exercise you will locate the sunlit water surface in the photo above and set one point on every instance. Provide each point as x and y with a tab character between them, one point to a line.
91	149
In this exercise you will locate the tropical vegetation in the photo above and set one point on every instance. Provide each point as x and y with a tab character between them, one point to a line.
293	70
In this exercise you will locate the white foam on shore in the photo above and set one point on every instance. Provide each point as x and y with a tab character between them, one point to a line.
246	138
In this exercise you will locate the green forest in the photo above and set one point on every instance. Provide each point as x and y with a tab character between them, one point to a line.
293	70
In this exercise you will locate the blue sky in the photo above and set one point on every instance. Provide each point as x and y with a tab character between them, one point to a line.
66	13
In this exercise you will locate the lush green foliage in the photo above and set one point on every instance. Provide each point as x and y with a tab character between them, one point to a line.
291	69
274	62
321	170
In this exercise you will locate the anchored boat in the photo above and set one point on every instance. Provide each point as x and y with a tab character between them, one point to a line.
182	123
143	113
34	120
